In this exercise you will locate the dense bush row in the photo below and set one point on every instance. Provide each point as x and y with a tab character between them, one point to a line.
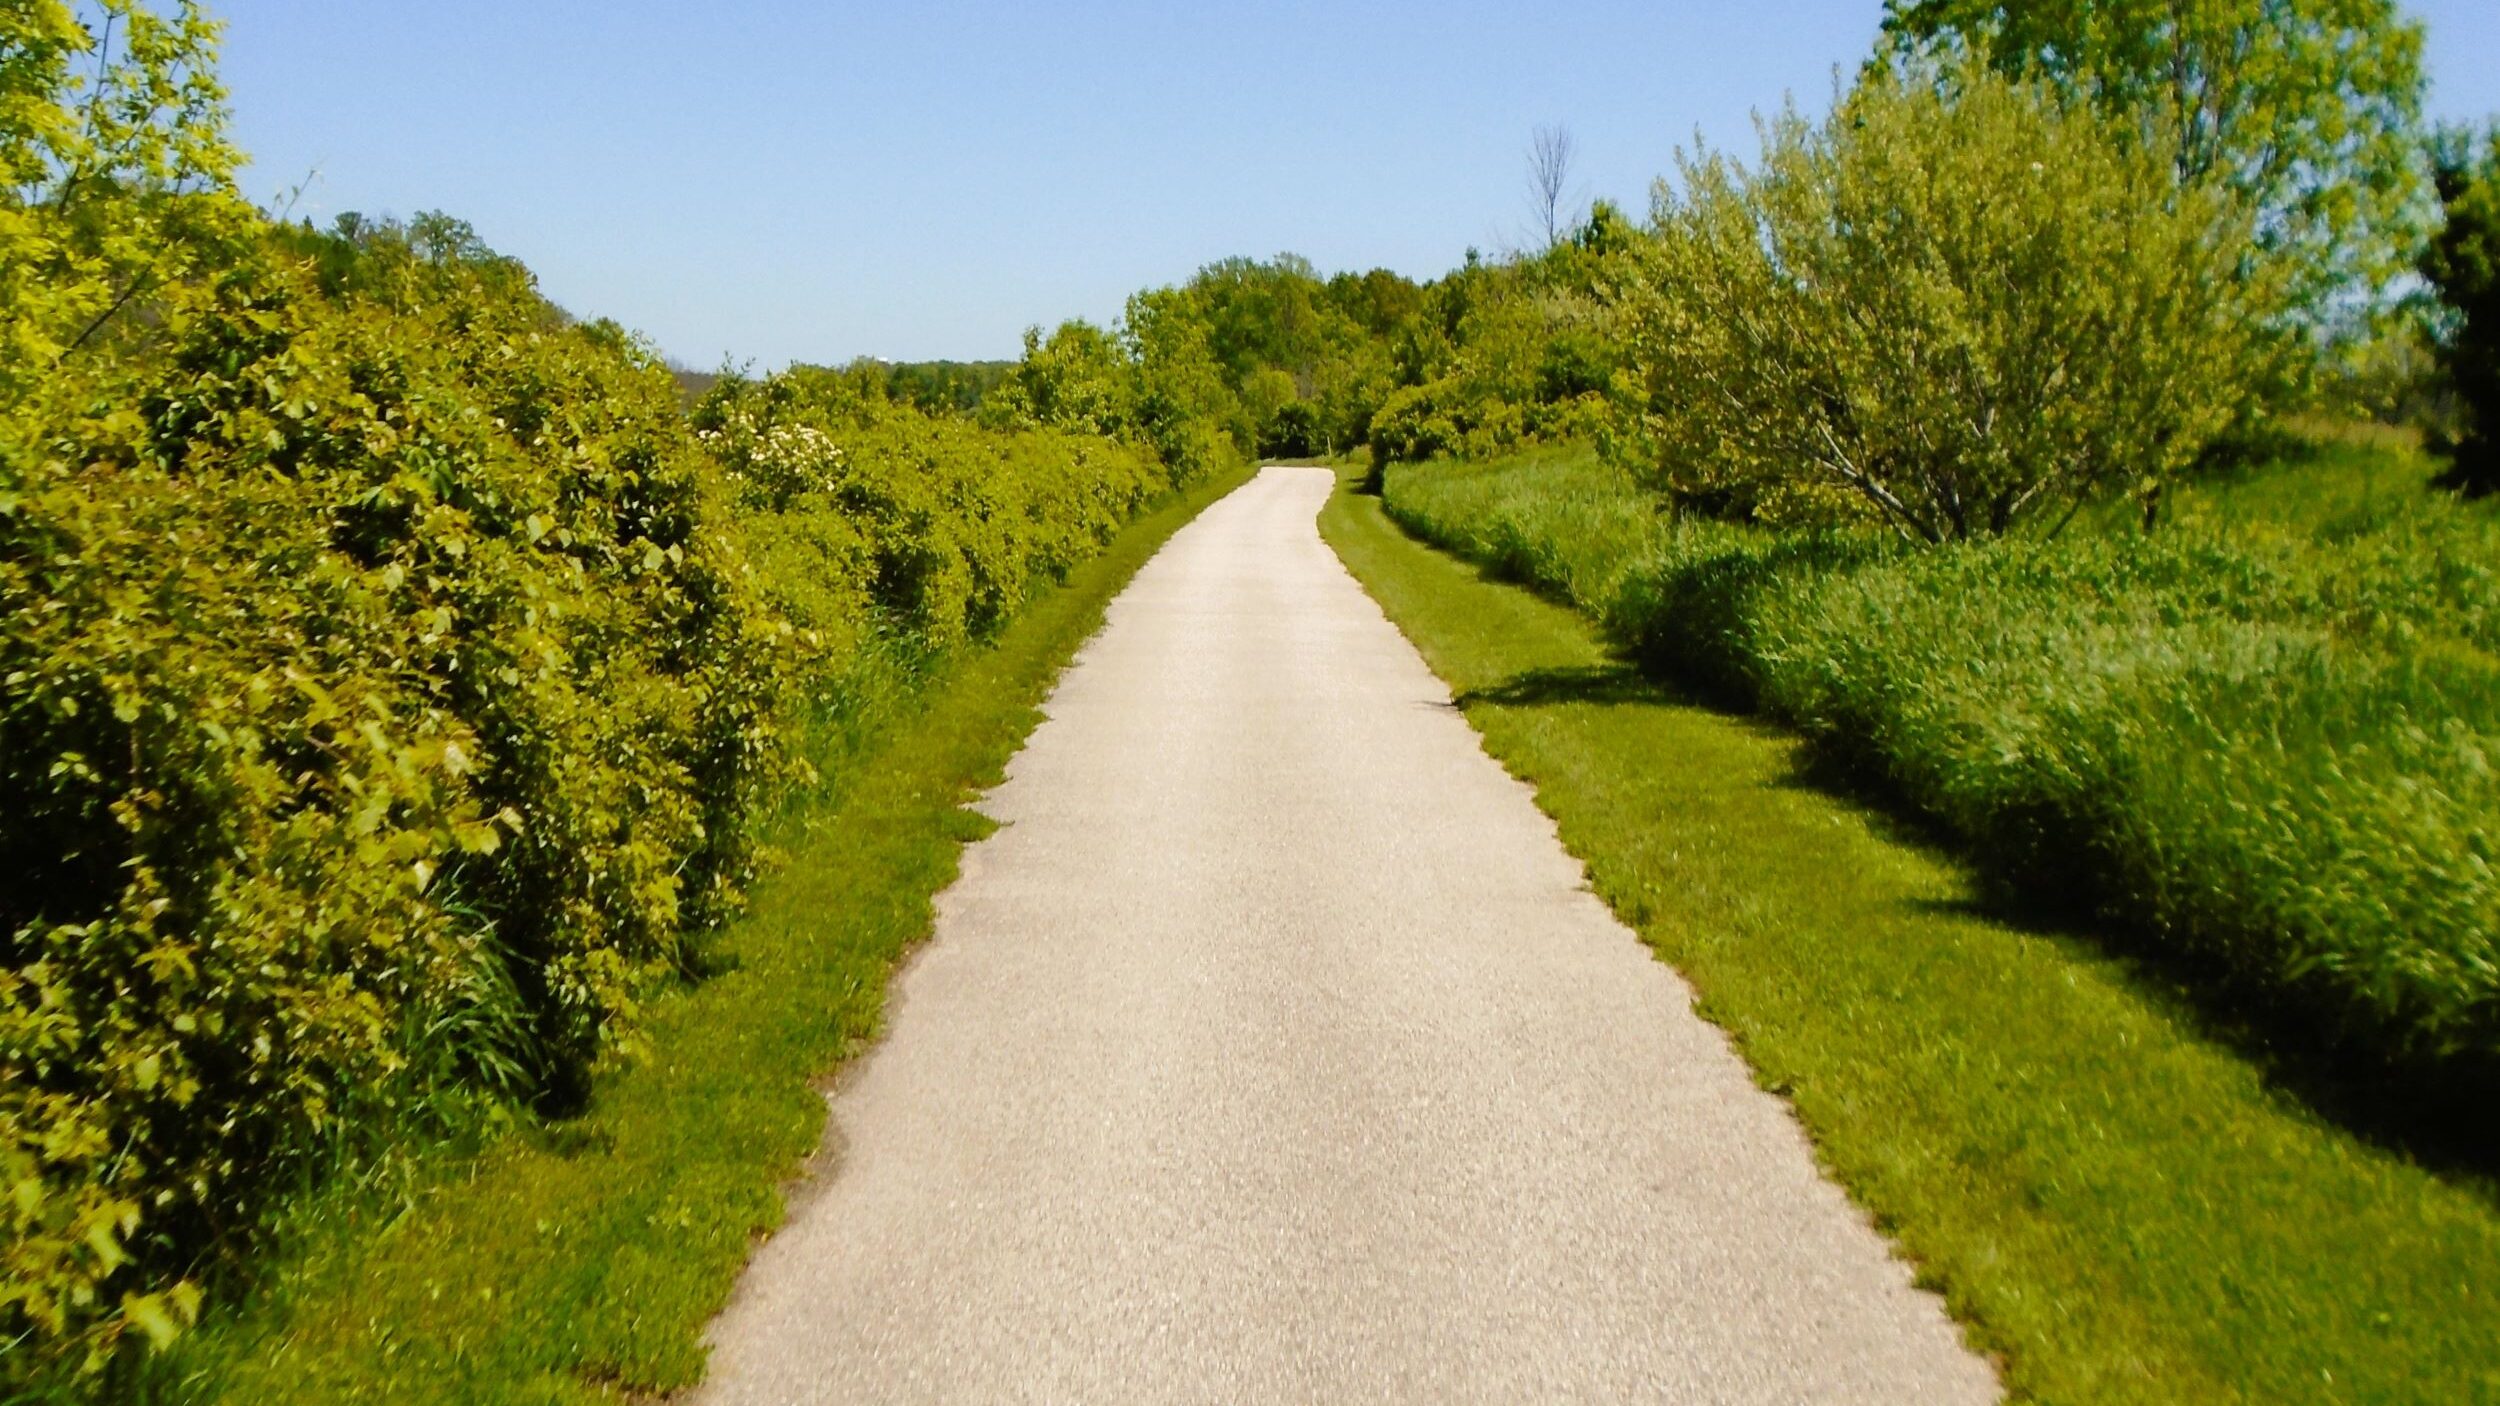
392	674
2263	738
382	702
868	518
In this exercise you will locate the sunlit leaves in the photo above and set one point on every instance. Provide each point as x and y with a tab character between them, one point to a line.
372	747
1953	306
115	171
2308	108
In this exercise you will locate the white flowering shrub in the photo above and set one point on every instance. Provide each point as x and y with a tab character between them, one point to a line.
774	463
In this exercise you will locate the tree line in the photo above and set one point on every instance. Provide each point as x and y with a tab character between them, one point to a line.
2034	255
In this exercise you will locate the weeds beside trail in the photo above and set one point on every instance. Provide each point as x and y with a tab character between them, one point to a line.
2119	1208
580	1261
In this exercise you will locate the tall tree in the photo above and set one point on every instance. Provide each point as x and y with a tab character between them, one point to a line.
2310	108
1957	305
2462	264
116	178
1550	155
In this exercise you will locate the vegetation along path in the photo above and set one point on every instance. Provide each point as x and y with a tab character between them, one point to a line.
1274	1049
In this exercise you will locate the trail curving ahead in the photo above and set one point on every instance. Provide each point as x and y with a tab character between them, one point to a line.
1274	1051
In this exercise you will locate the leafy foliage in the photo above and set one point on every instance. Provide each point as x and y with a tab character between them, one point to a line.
115	163
1154	382
2309	109
392	677
936	387
2462	264
387	700
1264	355
872	520
1952	305
2262	739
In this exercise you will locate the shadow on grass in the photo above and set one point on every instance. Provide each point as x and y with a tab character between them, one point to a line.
2439	1117
1593	683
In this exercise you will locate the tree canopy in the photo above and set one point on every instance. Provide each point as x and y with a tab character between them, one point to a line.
2311	109
2462	263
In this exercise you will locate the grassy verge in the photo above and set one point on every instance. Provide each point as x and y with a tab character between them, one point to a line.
580	1261
2257	744
2118	1208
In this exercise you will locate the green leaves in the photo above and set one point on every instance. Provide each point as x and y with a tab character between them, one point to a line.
336	708
115	173
1954	306
162	1317
867	516
2462	265
2308	109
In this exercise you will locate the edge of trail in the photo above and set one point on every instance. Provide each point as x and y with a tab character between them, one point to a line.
1273	1048
579	1261
2118	1206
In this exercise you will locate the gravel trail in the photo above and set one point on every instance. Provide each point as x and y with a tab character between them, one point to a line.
1273	1051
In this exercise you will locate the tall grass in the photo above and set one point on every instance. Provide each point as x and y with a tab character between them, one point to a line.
2118	1208
2262	738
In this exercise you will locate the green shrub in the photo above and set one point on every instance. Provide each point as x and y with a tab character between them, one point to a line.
377	667
1415	423
2174	730
937	526
1692	603
1154	383
2462	265
1953	306
392	677
2261	740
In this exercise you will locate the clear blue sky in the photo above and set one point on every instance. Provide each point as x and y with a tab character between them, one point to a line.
815	181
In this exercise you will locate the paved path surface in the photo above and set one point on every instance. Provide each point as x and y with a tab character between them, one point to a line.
1273	1052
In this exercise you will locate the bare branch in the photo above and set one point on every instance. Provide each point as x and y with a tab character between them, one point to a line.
1550	154
1897	511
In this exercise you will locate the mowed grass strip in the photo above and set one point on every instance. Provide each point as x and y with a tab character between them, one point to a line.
2116	1208
580	1262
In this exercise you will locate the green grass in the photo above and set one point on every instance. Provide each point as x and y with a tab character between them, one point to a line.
2117	1208
580	1261
2262	742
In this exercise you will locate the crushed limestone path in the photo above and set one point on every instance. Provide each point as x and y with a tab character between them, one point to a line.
1273	1051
